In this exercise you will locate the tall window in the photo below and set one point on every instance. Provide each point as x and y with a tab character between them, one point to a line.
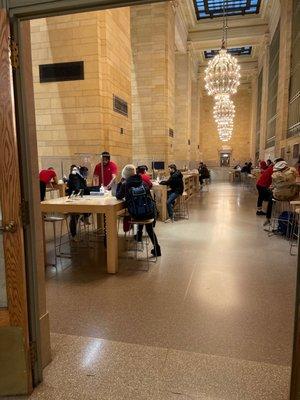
273	88
294	96
258	110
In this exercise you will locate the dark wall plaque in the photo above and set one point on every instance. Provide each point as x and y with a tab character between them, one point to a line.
59	72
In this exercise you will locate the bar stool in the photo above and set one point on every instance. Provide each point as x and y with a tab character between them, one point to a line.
181	209
145	242
294	236
54	219
279	206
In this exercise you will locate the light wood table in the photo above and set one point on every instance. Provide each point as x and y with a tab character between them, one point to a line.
161	196
107	205
60	187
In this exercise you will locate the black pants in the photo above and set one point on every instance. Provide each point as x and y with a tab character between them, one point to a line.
151	233
265	194
201	180
73	223
42	190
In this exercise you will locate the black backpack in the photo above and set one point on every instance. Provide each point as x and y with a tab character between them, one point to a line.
140	204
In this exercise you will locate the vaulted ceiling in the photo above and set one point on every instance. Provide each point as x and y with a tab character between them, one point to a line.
249	26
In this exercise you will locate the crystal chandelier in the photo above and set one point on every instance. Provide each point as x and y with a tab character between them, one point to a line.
222	75
222	78
224	108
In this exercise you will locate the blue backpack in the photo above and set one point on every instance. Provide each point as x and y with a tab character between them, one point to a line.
284	219
140	204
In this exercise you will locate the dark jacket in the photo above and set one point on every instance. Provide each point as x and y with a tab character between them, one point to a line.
132	181
175	182
204	172
76	183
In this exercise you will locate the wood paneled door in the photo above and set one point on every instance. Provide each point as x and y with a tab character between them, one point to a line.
15	360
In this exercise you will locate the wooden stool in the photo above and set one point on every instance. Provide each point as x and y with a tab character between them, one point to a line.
181	209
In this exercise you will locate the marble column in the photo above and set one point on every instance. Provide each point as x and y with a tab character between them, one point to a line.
283	74
264	99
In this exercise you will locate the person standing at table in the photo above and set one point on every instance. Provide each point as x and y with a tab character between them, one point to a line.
46	176
264	192
175	183
109	174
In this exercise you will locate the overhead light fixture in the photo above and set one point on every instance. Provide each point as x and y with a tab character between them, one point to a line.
224	109
222	78
222	75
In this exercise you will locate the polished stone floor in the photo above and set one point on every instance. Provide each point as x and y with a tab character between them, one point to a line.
211	320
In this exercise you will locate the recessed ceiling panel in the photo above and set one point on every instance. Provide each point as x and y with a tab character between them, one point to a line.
235	51
215	8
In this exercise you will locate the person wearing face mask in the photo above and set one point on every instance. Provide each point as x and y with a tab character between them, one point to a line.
77	184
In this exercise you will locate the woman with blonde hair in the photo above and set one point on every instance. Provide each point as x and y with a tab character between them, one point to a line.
131	185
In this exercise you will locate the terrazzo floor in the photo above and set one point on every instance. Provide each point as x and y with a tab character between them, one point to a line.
211	320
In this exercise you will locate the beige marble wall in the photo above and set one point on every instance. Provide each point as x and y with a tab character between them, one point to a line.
195	124
152	39
183	103
77	116
240	144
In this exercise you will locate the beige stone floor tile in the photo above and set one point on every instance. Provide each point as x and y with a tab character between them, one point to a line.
221	378
219	305
91	367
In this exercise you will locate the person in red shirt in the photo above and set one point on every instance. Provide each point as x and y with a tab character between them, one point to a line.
263	166
46	176
142	170
109	174
264	192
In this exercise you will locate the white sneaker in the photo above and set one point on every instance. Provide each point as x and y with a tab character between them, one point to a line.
169	220
267	222
139	246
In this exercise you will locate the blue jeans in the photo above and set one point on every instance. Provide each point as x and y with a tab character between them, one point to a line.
170	203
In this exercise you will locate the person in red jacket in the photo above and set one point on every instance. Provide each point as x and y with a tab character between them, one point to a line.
142	170
263	166
46	176
264	192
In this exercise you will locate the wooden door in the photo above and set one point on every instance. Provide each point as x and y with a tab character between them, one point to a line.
15	366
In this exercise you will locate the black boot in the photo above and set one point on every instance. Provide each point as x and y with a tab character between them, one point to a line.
156	251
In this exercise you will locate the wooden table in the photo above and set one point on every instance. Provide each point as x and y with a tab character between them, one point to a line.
60	187
107	205
161	195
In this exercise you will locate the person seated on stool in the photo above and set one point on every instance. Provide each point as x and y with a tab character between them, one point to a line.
46	176
130	179
175	183
284	187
